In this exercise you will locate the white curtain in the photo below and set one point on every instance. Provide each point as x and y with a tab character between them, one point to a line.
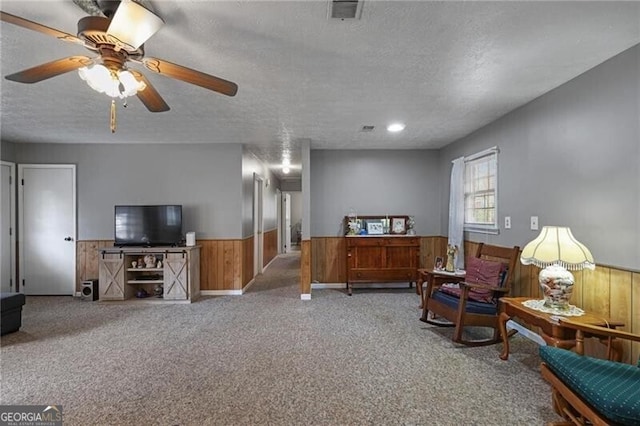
456	210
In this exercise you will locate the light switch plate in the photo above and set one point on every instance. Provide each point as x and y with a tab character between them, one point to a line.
534	223
507	222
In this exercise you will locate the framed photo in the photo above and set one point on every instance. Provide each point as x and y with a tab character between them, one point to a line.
438	265
398	225
374	227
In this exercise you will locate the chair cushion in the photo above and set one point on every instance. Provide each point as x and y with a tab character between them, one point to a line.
477	295
472	306
610	387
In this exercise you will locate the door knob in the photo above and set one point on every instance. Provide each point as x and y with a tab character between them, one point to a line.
68	239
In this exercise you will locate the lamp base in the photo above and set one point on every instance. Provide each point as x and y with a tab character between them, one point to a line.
557	286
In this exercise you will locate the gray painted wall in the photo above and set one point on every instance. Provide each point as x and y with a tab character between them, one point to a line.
205	179
375	182
7	151
572	158
296	212
251	165
288	185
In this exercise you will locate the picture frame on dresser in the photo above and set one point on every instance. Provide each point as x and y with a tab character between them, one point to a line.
438	265
374	227
398	225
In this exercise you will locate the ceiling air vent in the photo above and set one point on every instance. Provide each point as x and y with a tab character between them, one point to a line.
367	128
345	9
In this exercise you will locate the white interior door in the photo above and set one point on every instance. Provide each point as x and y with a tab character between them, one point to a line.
7	228
279	219
286	207
258	236
47	223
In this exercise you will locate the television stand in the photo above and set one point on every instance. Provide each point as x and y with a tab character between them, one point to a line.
171	273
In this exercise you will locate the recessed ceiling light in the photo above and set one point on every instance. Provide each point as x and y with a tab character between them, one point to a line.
285	170
395	127
286	162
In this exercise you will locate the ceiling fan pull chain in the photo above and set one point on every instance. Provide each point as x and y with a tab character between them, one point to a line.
113	115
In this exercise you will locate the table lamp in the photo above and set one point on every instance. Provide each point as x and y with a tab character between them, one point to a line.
556	250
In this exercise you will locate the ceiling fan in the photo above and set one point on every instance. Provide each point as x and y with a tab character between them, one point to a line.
118	37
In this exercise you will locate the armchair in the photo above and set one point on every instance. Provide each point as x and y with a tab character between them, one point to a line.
474	301
587	390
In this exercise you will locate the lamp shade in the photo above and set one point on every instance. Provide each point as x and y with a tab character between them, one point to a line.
557	246
133	24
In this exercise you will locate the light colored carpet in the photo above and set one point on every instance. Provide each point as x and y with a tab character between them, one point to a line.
265	358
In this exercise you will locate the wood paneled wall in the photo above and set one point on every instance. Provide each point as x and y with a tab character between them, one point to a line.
247	260
87	260
612	292
220	264
270	246
305	267
224	264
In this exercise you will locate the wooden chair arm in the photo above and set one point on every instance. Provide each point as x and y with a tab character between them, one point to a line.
599	331
437	281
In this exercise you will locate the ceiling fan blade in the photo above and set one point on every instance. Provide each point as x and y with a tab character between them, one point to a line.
30	25
133	24
150	96
50	69
191	76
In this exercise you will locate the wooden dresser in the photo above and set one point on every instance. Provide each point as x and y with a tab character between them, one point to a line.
382	258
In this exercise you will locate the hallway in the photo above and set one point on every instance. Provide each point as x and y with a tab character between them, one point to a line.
281	276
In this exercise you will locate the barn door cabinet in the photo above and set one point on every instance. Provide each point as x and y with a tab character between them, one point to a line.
172	272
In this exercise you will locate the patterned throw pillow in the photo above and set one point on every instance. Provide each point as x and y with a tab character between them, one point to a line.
483	271
480	271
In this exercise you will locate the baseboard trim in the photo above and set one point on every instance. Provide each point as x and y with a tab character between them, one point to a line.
305	296
319	286
512	325
328	285
220	292
249	284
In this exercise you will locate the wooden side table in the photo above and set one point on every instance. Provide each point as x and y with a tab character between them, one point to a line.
552	331
436	278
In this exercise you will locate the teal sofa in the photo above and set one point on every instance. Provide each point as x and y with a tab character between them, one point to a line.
587	390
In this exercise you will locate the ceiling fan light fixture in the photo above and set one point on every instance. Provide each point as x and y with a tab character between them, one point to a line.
120	84
133	24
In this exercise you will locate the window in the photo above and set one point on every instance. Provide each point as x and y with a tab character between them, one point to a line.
481	191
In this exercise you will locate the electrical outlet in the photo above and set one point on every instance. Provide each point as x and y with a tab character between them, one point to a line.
507	222
534	223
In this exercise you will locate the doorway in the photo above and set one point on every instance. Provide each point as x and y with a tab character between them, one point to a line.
258	224
47	223
286	222
7	232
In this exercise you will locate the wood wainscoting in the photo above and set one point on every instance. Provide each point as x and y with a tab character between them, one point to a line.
87	260
305	267
270	246
225	265
611	292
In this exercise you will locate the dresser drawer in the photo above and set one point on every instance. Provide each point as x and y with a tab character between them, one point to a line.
381	275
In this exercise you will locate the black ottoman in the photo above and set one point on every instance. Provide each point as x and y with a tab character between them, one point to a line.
11	308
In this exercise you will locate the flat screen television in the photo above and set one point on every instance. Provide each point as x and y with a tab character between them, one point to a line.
148	225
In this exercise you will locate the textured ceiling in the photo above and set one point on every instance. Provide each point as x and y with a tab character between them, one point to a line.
443	68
